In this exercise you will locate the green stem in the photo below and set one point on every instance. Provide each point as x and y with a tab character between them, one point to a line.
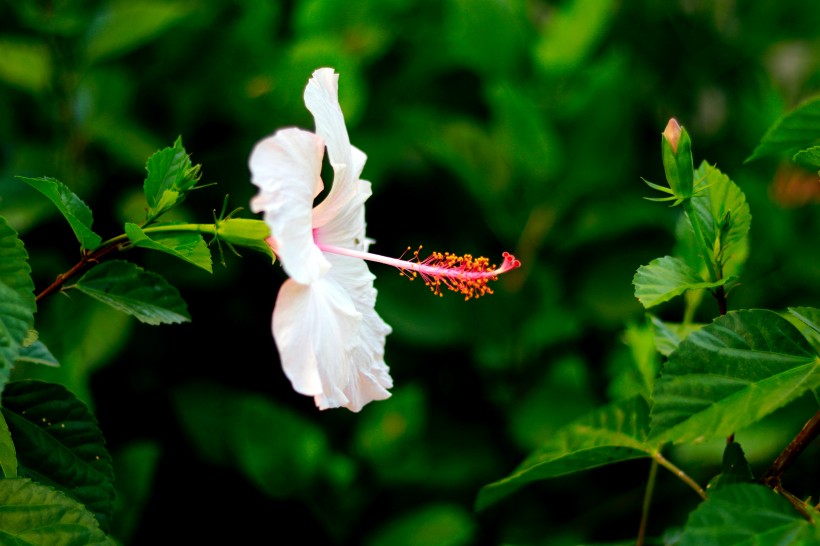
706	253
90	258
679	473
647	501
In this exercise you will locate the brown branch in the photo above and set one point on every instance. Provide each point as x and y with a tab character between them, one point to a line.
88	259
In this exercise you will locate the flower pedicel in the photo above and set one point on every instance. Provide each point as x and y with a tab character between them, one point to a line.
329	336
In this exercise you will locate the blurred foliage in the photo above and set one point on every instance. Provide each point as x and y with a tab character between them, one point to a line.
489	125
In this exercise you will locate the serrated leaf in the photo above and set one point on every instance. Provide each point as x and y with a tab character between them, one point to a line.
170	176
610	434
132	290
734	469
746	515
809	158
724	216
190	247
8	455
34	514
664	278
795	130
730	374
17	303
72	208
59	444
669	335
36	353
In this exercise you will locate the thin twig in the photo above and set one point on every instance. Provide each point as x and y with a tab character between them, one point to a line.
647	501
86	261
679	473
807	434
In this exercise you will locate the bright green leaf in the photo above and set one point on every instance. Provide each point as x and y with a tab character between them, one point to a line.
724	217
72	207
190	247
123	26
170	176
735	469
8	455
17	303
746	515
609	434
795	130
25	64
730	374
34	514
36	353
640	339
809	318
132	290
59	444
808	158
664	278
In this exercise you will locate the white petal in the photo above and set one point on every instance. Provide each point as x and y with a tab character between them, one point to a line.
330	338
286	167
321	98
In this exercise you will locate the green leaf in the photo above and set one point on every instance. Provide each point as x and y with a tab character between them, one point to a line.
34	514
735	469
809	323
8	455
724	217
808	158
59	444
431	525
25	64
610	434
796	130
190	247
664	278
132	290
572	33
72	207
669	335
170	176
730	374
249	432
123	26
36	353
746	515
17	303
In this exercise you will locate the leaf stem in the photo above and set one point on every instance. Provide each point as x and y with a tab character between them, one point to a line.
91	258
664	462
647	501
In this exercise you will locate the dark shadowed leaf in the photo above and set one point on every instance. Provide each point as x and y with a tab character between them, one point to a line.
59	444
132	290
747	515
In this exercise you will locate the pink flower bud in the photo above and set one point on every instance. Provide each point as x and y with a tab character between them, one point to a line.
672	133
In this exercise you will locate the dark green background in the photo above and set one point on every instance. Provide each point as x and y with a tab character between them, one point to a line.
489	125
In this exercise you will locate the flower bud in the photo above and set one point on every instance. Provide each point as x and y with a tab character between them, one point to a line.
676	150
246	233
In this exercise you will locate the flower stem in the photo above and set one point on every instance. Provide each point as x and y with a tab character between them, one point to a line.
705	252
90	258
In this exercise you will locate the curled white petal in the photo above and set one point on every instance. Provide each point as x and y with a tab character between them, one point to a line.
286	167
